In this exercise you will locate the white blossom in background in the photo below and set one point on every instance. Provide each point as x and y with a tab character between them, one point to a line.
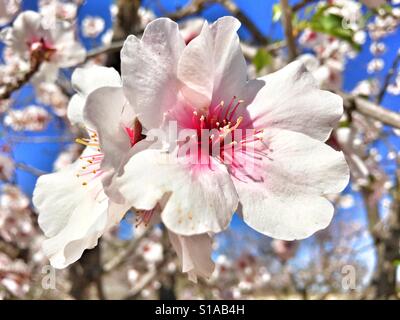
57	45
346	201
284	250
394	87
14	275
346	138
327	63
58	9
145	16
107	37
7	167
16	221
366	88
133	276
8	10
191	28
50	94
5	105
151	251
377	48
375	65
239	277
327	74
92	26
12	67
67	157
30	118
383	25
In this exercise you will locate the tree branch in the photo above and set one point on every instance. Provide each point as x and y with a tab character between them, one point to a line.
9	88
371	110
235	11
300	5
120	258
288	28
388	78
192	8
35	171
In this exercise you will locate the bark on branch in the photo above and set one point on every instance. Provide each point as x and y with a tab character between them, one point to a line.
371	110
288	28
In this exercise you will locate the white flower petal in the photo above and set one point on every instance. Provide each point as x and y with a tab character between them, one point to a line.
212	66
291	100
149	69
55	197
75	109
104	111
83	229
71	215
85	81
197	202
194	253
288	201
27	26
48	72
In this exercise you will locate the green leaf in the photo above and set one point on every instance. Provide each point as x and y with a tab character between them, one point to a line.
262	59
332	24
396	263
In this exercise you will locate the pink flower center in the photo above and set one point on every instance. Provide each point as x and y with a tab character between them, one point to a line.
134	133
222	132
41	46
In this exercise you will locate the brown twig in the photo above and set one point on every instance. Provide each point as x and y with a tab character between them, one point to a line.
388	79
247	22
9	88
113	47
27	168
146	280
371	110
120	258
40	139
192	8
300	5
288	28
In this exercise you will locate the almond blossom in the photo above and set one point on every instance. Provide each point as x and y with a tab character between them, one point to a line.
58	9
74	210
92	26
280	190
73	203
57	44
